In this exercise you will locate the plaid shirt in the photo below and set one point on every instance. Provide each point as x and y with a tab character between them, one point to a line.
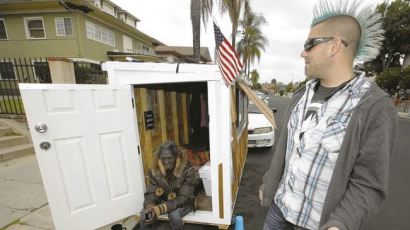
310	161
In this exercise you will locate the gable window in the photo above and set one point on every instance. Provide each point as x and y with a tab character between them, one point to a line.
64	27
3	32
108	9
99	34
35	28
7	71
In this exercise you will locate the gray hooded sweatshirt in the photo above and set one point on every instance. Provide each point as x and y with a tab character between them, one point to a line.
359	181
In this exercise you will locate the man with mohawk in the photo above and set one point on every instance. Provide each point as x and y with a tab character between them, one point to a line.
331	163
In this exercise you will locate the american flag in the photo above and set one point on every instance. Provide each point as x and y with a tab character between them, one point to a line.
226	57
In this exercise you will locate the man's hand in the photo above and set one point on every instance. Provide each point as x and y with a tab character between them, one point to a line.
150	216
333	228
154	211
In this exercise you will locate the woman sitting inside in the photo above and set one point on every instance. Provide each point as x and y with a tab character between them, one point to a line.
171	187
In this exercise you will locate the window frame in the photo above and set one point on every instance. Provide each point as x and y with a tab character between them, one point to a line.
240	124
33	66
109	9
26	19
100	29
14	70
65	32
5	30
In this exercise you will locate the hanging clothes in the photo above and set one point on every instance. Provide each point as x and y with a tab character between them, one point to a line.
204	111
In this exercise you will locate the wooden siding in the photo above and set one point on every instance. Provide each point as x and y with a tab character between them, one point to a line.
170	119
239	148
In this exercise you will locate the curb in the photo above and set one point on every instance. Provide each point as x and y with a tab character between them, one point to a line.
403	115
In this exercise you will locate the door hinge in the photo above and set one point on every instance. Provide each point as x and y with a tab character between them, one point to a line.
138	150
132	102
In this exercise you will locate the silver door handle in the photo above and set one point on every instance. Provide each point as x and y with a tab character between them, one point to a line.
41	127
45	145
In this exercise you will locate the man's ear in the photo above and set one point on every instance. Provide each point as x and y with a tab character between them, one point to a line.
336	46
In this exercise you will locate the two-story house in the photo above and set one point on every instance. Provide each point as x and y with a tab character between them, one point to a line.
82	30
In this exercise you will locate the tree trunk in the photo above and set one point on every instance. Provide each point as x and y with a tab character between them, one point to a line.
234	31
249	66
196	28
236	4
406	60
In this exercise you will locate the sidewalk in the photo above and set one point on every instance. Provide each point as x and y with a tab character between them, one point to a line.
21	189
23	201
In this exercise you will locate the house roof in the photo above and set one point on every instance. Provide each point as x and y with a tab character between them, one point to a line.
184	52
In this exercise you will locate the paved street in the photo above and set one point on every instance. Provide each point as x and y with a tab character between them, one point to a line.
24	174
257	163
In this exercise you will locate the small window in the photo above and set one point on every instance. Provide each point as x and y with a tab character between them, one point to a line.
35	28
7	71
108	9
100	34
3	32
64	27
41	71
89	30
241	112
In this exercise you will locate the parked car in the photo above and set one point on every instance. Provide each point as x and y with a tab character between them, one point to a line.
263	97
260	131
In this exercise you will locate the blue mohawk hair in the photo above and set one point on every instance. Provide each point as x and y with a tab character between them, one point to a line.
370	23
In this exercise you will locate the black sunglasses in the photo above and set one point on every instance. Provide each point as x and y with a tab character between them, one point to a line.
312	42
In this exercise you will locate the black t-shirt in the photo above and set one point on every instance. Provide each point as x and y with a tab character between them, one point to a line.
322	94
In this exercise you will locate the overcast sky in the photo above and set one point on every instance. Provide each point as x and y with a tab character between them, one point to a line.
287	29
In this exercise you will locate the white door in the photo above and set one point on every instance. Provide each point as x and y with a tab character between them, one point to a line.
92	171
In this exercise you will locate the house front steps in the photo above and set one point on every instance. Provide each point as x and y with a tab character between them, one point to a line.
15	140
10	141
16	151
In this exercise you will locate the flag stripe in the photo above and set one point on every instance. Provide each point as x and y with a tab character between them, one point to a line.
226	74
229	64
222	71
231	57
234	55
229	75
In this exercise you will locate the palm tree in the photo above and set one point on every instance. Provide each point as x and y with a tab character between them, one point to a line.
199	9
253	41
234	9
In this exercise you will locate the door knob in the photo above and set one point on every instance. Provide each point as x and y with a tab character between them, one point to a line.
45	145
41	127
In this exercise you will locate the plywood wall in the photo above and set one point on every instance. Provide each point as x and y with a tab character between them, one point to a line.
170	119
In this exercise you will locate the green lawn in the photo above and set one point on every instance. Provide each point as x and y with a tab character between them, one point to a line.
11	106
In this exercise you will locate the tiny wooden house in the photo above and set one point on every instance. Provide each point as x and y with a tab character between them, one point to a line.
94	143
